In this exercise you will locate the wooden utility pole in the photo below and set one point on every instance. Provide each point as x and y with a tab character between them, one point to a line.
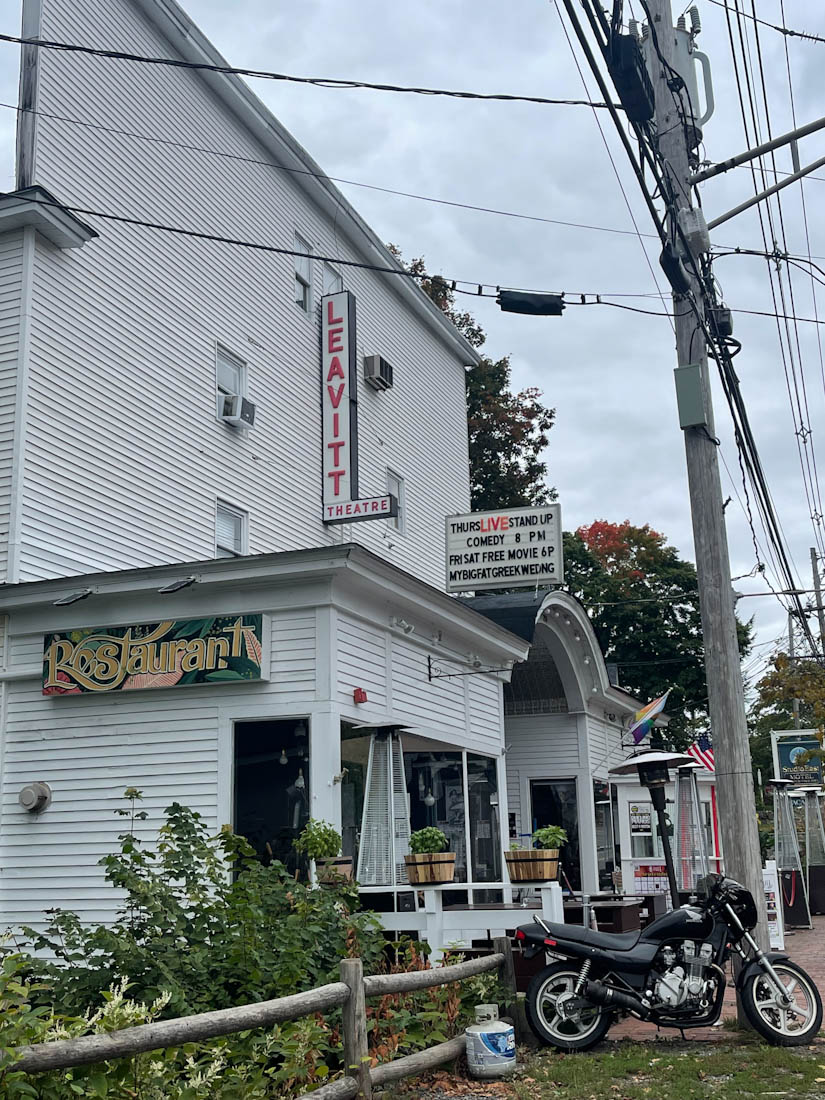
820	610
792	659
734	780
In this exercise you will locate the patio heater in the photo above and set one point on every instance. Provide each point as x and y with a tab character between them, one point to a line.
653	769
814	848
385	822
788	862
689	831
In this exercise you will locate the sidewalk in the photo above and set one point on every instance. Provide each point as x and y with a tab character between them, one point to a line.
804	946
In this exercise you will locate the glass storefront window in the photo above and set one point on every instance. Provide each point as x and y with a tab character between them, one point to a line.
435	784
554	802
485	830
272	787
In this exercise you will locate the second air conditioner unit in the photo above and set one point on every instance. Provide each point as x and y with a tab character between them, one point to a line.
236	410
377	372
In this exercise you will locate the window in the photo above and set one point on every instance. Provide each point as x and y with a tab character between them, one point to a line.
230	531
303	274
230	376
395	486
333	280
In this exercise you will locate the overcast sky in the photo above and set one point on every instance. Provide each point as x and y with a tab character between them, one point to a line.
616	451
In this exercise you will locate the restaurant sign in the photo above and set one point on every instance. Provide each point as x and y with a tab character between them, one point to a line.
218	650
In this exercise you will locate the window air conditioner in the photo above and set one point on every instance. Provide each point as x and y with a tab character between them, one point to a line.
236	410
377	372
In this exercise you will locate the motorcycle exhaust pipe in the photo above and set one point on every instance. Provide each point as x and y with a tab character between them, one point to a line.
602	994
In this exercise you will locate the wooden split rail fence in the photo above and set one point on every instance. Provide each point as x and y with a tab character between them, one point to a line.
350	992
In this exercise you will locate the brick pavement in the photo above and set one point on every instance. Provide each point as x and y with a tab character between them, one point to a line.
804	945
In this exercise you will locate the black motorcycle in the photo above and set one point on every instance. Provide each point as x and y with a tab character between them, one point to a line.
672	974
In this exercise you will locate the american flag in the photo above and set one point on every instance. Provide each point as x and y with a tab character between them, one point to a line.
702	751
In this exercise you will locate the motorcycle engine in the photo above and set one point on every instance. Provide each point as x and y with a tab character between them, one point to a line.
685	975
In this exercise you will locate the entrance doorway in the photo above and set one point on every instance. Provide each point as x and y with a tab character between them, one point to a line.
271	803
554	802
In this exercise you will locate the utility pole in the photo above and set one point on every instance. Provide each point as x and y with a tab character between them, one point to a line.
820	610
734	780
791	658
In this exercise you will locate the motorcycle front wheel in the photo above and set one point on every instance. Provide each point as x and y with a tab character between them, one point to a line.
783	1024
579	1031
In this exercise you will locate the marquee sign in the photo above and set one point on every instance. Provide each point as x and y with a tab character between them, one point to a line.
508	548
218	650
339	418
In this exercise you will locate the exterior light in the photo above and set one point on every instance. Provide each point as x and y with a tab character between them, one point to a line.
73	597
175	586
300	782
283	759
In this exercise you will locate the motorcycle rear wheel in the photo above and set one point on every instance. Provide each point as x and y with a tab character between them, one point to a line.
566	1034
784	1026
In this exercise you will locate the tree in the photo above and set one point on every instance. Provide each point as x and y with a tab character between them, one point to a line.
642	599
507	431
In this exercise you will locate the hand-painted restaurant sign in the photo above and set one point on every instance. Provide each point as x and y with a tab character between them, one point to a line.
217	650
339	418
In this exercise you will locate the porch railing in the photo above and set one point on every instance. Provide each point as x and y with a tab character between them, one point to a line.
350	992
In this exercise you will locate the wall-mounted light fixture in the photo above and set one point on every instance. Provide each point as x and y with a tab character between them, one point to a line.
176	586
401	624
73	597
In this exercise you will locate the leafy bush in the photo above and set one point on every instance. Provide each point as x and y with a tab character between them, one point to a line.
319	840
204	925
205	922
550	836
428	841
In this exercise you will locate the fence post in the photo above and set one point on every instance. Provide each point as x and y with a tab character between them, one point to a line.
513	1006
356	1051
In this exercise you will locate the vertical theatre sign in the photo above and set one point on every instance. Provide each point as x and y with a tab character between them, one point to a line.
339	418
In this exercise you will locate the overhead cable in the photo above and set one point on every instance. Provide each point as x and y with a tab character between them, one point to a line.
317	81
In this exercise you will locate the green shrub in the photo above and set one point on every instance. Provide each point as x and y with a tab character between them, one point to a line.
427	841
550	836
319	840
205	922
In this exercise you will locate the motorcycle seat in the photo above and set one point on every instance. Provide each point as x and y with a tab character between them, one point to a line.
607	941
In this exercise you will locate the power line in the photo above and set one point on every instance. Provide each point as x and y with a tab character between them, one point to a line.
157	139
773	26
317	81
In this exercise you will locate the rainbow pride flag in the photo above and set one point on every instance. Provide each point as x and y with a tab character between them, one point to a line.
643	722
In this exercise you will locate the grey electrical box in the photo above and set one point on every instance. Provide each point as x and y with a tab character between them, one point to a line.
689	396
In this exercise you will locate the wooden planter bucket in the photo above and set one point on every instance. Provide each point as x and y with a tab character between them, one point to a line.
430	867
533	865
330	871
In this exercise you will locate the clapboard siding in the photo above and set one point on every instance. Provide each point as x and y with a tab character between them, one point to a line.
125	457
90	749
11	289
538	746
604	742
362	661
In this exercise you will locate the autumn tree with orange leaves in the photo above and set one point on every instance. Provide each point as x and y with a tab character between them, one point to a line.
643	601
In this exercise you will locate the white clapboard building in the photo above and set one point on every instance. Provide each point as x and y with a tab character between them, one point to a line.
224	473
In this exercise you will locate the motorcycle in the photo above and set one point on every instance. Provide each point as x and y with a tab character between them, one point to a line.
672	974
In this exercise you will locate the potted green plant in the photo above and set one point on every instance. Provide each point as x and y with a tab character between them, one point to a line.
428	861
321	842
539	863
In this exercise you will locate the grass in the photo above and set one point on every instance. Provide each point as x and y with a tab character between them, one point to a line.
724	1070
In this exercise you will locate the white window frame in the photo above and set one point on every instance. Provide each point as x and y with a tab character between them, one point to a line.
333	277
243	529
398	488
301	279
240	365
